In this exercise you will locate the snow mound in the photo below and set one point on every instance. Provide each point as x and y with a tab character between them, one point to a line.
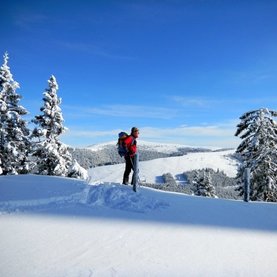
122	197
31	192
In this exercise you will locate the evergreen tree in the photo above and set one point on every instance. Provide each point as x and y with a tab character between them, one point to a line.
258	150
52	156
14	142
203	184
195	179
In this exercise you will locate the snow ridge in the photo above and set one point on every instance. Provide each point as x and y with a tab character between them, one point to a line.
121	197
47	191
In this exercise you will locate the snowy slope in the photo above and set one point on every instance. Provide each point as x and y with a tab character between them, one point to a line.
53	226
151	171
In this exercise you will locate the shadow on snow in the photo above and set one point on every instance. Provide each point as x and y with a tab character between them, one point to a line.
56	196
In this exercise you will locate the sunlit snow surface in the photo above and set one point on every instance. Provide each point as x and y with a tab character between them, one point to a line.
151	171
51	226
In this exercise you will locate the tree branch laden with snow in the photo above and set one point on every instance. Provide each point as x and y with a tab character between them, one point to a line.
258	130
14	141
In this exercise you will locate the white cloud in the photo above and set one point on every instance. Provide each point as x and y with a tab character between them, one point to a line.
29	20
221	135
204	102
131	111
93	49
200	102
91	134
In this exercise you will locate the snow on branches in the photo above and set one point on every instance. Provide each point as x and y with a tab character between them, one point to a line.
14	142
52	156
203	184
258	150
41	152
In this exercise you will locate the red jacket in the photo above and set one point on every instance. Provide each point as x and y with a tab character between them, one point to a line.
131	145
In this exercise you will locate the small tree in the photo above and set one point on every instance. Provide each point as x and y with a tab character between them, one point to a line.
258	150
52	156
14	141
203	184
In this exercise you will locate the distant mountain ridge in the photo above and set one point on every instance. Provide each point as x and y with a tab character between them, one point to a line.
106	153
152	146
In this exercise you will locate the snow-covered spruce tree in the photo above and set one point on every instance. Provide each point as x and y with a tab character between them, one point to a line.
14	141
51	156
258	150
203	184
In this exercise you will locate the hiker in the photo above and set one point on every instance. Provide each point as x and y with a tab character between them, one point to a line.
131	147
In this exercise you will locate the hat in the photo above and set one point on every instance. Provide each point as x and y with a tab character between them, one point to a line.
134	129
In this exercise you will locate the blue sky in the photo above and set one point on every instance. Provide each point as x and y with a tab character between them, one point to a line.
181	71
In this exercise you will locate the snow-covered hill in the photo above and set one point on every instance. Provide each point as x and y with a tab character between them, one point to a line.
52	226
151	171
106	153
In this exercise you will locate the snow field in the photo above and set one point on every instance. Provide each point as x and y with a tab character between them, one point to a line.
151	171
57	246
54	226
